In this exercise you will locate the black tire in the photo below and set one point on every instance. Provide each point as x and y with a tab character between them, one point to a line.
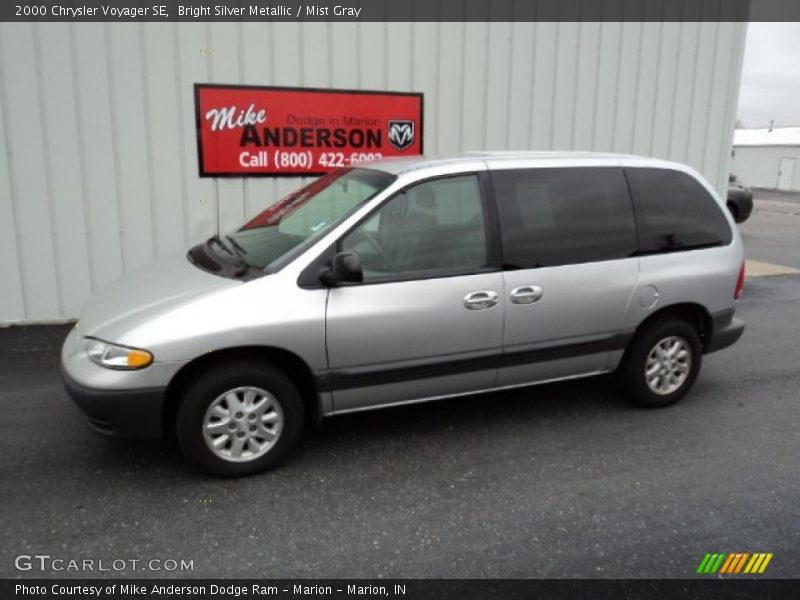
734	210
202	392
631	372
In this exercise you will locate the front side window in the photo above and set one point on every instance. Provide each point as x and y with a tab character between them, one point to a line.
436	227
552	217
675	212
303	216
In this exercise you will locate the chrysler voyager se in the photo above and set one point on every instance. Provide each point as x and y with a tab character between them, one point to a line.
406	280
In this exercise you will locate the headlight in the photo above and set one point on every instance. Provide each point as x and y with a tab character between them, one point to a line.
117	357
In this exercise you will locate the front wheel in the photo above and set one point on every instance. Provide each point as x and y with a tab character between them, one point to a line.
240	419
661	364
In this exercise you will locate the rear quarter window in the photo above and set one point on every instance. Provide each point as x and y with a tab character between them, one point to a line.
675	212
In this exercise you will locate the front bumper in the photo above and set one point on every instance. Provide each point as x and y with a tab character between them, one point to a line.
119	413
119	403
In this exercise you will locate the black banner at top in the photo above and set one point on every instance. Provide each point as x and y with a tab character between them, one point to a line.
398	10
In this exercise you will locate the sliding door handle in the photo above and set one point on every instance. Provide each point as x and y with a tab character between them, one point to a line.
527	294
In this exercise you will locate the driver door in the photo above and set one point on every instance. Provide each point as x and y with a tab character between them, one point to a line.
427	320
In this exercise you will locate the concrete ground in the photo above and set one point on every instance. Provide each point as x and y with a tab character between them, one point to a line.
562	480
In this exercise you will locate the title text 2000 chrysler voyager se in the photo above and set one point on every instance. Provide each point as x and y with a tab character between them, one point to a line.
412	279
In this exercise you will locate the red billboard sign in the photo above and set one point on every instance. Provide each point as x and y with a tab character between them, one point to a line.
245	131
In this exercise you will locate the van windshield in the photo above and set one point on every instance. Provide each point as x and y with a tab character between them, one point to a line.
302	217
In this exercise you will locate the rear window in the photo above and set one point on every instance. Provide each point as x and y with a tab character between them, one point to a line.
675	212
552	217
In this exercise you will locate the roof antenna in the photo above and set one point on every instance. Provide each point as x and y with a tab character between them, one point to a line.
771	123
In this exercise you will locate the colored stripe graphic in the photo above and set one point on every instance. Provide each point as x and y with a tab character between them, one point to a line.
734	563
727	564
711	563
737	563
741	562
703	563
735	557
765	563
755	562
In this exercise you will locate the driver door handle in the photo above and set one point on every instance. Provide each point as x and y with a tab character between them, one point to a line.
527	294
480	300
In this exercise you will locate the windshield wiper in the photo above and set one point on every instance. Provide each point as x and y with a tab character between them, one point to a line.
239	263
235	244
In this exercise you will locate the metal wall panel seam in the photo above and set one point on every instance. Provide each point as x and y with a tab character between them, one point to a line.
510	74
47	175
301	51
556	70
438	84
693	94
240	59
210	75
329	54
385	54
533	84
708	115
573	141
659	67
148	139
732	102
613	144
359	62
636	86
462	87
12	184
726	41
181	131
240	51
678	47
690	108
112	107
599	50
273	70
82	161
484	121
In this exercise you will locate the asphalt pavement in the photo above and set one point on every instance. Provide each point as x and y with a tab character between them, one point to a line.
772	234
562	480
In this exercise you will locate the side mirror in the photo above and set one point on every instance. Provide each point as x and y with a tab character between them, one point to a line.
346	268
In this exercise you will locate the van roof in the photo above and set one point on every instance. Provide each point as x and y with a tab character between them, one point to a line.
400	165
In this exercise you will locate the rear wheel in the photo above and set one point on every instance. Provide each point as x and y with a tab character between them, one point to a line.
239	419
661	364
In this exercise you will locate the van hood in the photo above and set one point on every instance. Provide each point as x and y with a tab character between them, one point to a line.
146	293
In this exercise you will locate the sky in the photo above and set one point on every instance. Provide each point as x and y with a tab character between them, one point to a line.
770	86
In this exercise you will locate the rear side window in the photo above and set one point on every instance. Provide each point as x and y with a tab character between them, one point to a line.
552	217
675	212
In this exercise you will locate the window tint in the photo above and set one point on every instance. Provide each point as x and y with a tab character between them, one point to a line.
675	212
553	217
433	227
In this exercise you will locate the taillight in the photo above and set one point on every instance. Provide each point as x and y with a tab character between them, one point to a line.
737	293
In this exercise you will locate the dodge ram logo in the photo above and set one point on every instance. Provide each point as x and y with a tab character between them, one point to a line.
401	134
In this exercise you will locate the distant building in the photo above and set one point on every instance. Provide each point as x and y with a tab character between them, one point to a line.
767	158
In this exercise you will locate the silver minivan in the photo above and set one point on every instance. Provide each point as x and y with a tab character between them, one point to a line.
407	280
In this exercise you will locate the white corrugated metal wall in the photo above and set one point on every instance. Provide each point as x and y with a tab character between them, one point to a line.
758	166
98	170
